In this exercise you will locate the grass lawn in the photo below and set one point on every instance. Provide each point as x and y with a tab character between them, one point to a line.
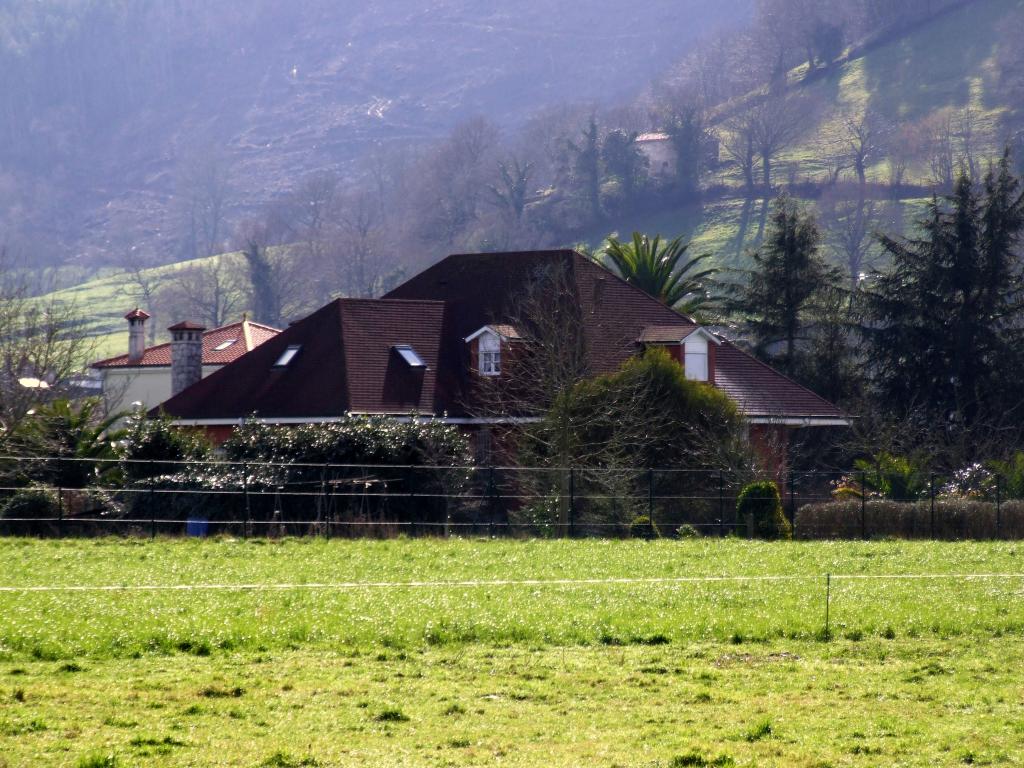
671	673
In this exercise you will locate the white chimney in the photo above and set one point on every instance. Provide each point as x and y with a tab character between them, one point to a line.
186	355
136	334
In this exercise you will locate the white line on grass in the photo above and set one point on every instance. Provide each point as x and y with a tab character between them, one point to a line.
353	585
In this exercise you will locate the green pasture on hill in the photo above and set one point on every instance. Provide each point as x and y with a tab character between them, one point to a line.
541	662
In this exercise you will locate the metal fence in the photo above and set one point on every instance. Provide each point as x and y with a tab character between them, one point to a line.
65	496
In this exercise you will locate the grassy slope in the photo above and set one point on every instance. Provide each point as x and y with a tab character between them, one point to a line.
921	673
103	301
947	64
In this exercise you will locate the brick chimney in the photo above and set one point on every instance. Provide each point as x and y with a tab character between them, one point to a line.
136	334
186	355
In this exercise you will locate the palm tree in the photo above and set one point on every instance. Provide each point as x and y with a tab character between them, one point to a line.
661	269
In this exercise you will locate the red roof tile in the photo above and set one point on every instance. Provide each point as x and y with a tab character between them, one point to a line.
247	336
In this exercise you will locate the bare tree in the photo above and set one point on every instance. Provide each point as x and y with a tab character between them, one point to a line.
775	124
862	141
42	346
850	224
142	281
738	144
203	192
941	149
211	291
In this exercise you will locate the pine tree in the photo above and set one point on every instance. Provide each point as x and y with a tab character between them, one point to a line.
789	275
944	324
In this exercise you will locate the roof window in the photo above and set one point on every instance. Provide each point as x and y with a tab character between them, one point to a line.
287	356
408	354
224	345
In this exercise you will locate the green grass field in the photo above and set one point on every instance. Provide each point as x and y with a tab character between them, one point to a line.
465	653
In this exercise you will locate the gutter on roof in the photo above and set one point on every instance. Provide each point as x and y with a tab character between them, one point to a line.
799	421
333	419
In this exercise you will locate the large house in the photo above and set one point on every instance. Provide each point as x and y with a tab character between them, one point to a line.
424	347
150	375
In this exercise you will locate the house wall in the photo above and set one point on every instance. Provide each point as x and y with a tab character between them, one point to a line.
661	156
147	385
771	443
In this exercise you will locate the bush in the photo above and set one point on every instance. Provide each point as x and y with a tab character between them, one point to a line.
31	503
761	501
155	447
643	527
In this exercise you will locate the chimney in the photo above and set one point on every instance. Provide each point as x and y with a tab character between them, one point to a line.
186	355
136	334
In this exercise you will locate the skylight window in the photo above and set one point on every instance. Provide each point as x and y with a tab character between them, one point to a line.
224	345
287	356
408	354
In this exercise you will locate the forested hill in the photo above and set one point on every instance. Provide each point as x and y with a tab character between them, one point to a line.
110	110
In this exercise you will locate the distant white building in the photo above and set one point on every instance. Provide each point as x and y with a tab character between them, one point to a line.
152	375
662	156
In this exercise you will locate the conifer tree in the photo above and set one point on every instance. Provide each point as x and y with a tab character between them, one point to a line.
788	277
944	321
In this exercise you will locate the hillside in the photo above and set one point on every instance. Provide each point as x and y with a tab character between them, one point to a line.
106	108
942	70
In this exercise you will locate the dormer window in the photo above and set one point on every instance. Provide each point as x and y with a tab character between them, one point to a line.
693	348
487	345
490	355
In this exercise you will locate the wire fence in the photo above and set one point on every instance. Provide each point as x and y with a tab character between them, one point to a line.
67	496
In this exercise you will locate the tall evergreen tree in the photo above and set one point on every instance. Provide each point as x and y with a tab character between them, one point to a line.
586	168
944	321
789	276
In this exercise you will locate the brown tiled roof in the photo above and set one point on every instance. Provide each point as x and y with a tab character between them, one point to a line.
761	391
248	336
346	363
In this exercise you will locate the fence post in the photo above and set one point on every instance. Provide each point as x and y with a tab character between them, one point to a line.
152	502
828	602
721	504
650	494
863	505
931	494
792	501
245	496
60	499
999	506
572	502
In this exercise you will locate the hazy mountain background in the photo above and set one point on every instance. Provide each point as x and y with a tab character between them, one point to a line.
145	148
105	106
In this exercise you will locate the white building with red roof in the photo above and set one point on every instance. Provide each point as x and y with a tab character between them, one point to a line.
150	375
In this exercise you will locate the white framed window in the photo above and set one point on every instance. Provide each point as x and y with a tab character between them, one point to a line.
287	356
410	356
224	345
695	359
490	354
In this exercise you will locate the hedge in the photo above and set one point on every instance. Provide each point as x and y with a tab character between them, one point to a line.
953	519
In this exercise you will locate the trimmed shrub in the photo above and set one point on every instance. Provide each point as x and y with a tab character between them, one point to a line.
953	519
643	527
761	501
